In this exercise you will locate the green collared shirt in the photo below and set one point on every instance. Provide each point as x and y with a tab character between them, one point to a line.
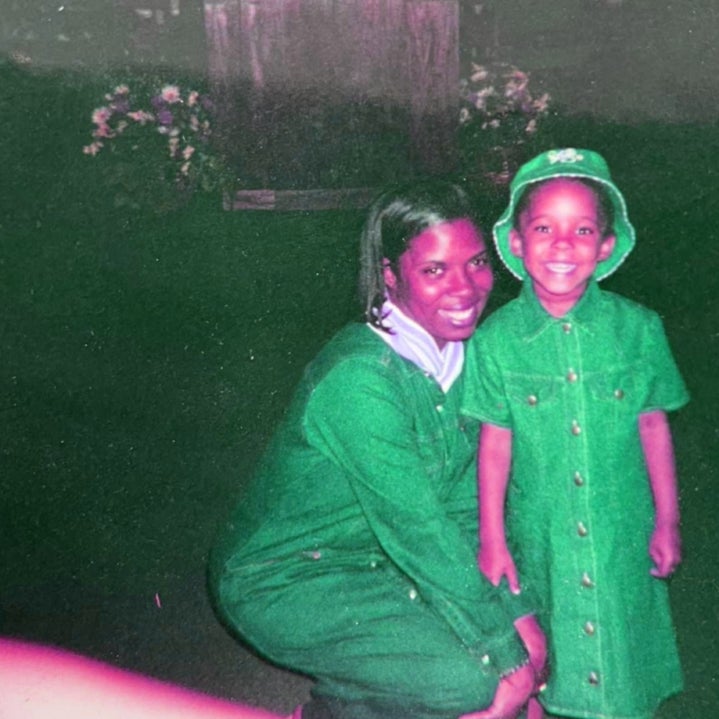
579	504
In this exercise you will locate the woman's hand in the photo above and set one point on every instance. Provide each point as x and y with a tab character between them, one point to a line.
513	693
495	562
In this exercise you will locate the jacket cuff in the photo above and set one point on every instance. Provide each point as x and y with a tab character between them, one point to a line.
504	655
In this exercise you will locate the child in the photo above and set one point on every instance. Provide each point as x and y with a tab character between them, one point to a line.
572	384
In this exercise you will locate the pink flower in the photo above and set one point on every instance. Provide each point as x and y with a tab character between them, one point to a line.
92	149
192	98
481	97
170	94
185	169
542	103
140	116
101	115
103	130
122	90
479	73
515	88
188	152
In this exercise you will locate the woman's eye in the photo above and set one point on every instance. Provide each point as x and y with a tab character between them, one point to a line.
481	261
432	271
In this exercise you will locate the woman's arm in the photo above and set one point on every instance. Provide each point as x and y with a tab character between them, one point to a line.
665	544
364	416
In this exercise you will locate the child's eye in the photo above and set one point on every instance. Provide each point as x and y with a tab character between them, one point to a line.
541	228
585	231
434	271
480	261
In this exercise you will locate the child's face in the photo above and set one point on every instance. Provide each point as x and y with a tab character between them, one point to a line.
560	240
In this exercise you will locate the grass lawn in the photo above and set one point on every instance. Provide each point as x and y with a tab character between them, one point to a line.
147	358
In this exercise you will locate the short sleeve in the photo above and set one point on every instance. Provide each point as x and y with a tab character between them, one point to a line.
667	390
484	393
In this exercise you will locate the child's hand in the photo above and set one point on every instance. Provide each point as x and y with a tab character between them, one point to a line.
665	549
535	642
495	562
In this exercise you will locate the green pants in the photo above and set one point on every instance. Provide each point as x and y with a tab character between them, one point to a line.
374	647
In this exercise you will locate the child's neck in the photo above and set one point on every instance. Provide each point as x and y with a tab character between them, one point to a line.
557	305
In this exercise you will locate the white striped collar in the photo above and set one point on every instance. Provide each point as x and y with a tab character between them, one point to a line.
411	341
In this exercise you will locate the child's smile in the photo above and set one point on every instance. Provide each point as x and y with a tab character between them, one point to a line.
561	240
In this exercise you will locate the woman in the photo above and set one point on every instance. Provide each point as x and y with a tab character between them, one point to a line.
352	557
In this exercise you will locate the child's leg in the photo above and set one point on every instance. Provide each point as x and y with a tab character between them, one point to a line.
534	709
42	683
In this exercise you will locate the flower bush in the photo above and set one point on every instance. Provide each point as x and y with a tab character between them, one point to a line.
498	114
498	96
162	142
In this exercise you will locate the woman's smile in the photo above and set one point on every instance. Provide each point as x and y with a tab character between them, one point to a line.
462	317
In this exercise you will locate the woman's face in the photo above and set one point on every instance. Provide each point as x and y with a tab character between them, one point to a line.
443	280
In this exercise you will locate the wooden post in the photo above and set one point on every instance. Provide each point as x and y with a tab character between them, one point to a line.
401	55
434	81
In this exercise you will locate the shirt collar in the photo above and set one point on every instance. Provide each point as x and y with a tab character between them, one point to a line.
411	341
536	319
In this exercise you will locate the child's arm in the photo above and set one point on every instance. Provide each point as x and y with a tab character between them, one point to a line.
665	544
494	461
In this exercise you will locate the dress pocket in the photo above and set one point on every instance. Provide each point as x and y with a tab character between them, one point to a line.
622	391
532	394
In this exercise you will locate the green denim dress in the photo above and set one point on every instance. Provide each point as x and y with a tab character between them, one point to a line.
352	557
579	504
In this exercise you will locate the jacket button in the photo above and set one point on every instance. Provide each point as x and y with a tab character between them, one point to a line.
589	628
576	429
567	327
572	376
582	531
587	581
532	400
619	393
578	479
593	678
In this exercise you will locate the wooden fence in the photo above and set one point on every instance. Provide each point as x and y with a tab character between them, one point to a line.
301	73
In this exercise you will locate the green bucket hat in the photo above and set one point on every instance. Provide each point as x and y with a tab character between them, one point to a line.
567	162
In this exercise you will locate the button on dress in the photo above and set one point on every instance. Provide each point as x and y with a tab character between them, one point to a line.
579	504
